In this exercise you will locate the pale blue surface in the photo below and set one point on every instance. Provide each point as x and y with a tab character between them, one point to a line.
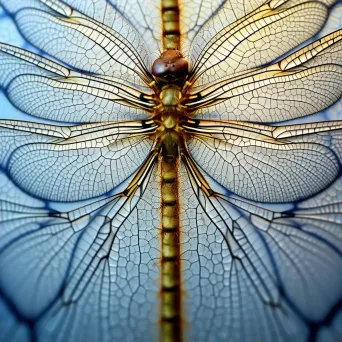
9	34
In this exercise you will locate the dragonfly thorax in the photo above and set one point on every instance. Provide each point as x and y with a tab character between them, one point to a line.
170	71
170	96
170	109
170	114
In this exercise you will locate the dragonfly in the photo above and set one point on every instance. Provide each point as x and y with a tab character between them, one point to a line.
170	182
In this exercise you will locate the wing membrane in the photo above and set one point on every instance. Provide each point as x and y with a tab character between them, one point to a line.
88	162
251	271
105	252
256	163
259	38
203	20
84	43
260	264
303	83
146	19
194	15
48	90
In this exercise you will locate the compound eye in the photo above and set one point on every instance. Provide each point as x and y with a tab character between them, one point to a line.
170	67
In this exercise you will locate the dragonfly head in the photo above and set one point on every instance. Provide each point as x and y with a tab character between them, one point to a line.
170	67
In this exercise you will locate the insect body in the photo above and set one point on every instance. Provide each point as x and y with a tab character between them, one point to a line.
170	70
190	211
170	112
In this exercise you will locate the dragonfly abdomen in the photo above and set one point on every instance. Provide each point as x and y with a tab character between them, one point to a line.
171	28
171	317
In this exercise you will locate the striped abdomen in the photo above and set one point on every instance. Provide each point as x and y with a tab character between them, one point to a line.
171	27
171	320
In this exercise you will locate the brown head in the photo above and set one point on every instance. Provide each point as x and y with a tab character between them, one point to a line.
170	67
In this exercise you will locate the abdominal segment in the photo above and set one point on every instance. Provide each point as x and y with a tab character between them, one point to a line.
171	306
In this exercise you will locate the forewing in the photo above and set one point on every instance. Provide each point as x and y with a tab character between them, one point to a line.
303	83
88	274
43	88
257	163
72	163
254	40
202	20
82	42
256	274
194	15
145	18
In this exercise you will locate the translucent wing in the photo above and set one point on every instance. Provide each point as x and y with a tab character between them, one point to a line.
82	42
72	163
303	83
146	19
258	38
90	271
269	164
202	19
194	15
46	89
88	274
255	273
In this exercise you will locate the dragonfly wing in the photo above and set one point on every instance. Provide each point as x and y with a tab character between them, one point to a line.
202	22
48	90
259	166
146	19
303	83
88	274
194	15
82	42
260	37
75	167
256	274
